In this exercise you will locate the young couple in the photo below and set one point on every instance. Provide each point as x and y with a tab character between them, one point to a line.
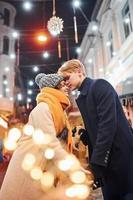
110	140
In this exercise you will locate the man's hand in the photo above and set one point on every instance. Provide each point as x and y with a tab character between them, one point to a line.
99	173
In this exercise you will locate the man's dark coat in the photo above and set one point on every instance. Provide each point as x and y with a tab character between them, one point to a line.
110	139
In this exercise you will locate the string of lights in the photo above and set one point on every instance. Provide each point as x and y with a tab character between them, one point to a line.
27	35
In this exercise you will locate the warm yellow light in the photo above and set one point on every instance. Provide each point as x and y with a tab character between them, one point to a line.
10	145
28	130
38	137
36	173
80	191
75	164
42	38
14	134
64	165
71	192
49	153
47	180
28	162
69	163
78	177
47	138
83	191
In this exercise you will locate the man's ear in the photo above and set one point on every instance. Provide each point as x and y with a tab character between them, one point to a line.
79	70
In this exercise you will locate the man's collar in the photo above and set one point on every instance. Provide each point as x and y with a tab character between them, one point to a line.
83	89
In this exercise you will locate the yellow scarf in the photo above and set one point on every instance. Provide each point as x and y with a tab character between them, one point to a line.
57	102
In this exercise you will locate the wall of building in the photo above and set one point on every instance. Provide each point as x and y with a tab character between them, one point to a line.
111	49
7	59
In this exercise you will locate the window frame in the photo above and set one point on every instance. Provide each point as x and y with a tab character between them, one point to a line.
6	17
127	27
4	93
6	45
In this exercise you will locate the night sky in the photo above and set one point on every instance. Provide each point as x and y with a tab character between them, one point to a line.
29	23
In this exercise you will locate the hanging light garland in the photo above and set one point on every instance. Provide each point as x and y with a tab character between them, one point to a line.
59	48
69	168
75	27
55	24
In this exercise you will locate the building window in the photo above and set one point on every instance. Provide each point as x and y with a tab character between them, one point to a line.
6	17
126	17
109	44
4	85
5	45
1	16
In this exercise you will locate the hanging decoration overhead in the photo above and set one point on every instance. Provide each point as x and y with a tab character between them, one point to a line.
75	27
55	24
59	48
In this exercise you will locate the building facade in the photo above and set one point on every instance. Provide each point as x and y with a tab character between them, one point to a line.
7	59
107	46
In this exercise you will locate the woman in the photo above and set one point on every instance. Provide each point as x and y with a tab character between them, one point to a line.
48	116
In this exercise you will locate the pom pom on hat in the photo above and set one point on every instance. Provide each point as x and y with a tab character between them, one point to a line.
48	80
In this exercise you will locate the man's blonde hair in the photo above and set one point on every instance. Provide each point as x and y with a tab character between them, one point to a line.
72	66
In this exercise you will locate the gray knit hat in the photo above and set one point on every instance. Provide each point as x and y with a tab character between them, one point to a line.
48	80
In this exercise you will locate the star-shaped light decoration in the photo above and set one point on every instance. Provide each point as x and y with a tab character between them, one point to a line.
55	25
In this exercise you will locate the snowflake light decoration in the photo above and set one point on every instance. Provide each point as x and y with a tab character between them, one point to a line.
55	25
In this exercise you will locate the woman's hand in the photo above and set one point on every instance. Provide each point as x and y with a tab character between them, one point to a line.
90	177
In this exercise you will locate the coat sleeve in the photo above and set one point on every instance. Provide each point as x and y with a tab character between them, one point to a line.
41	118
105	100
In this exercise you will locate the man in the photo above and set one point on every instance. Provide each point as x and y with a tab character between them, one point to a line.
110	140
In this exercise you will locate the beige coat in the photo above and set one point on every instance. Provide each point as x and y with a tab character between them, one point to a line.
18	185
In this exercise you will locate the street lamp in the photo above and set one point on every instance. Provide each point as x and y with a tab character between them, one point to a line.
29	92
45	54
78	50
15	34
90	61
12	56
76	3
42	38
31	83
19	97
35	69
27	5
